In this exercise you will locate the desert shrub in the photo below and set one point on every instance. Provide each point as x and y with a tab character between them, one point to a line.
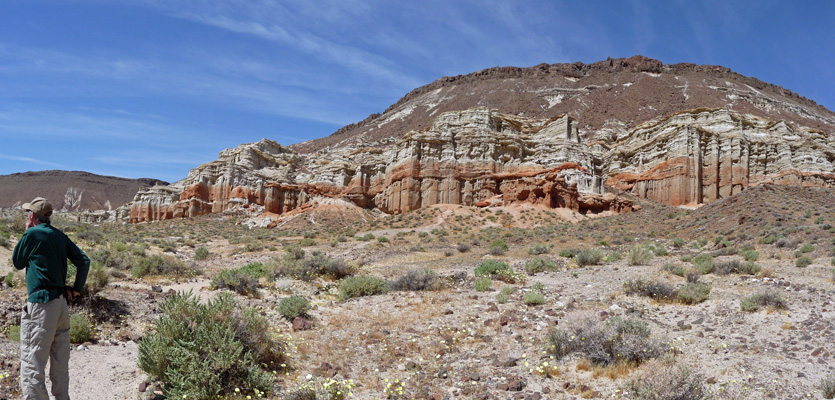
677	242
359	286
537	265
538	249
589	257
686	258
568	253
770	239
201	253
827	387
667	380
693	293
369	236
161	265
614	256
640	255
463	247
534	298
654	289
750	255
498	247
418	280
256	269
806	248
13	333
692	276
307	242
769	298
242	349
501	298
81	330
604	343
491	267
97	278
748	268
294	253
703	263
10	279
803	262
726	267
383	239
293	306
483	284
323	389
236	280
674	269
789	243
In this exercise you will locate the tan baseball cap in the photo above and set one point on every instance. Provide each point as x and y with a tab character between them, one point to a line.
40	206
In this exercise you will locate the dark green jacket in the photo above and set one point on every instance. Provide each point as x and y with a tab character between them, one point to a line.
43	250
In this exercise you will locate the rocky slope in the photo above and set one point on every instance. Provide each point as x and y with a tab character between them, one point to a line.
630	128
70	190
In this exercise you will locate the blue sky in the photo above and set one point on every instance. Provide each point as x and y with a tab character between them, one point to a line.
153	88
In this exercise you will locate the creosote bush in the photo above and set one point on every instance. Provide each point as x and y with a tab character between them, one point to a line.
201	253
483	284
97	279
495	269
538	249
691	293
589	257
827	387
161	265
537	265
604	343
81	330
769	298
640	255
803	262
534	298
206	351
293	306
663	379
236	280
418	280
359	286
498	247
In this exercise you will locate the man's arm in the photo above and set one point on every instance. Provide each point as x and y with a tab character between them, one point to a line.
20	256
82	265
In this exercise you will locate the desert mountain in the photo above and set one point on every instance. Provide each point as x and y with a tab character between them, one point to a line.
71	190
557	136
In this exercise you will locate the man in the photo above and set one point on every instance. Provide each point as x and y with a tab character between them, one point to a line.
45	322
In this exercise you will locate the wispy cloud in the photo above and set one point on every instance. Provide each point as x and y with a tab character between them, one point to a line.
31	160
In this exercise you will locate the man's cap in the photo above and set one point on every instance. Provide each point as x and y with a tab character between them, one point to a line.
40	206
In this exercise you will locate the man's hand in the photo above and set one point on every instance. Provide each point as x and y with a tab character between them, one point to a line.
30	220
71	294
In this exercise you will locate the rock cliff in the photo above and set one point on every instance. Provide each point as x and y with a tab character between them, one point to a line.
471	157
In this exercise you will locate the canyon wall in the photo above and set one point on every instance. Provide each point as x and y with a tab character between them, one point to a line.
481	157
698	156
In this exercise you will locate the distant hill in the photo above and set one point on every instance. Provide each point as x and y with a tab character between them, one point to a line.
71	190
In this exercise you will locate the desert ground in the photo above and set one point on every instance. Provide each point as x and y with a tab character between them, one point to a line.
525	329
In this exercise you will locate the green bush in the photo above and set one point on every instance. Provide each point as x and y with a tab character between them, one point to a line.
383	239
769	298
201	253
568	253
693	293
236	280
293	306
307	242
537	265
256	269
483	284
97	278
806	248
495	269
803	262
498	247
704	263
161	265
463	247
653	289
674	269
750	255
13	333
358	286
80	329
418	280
589	257
10	279
538	249
677	242
640	255
212	350
369	236
534	298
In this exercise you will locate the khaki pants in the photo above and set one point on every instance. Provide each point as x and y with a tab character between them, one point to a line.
45	335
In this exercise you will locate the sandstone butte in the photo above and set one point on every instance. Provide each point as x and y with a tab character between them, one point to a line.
481	157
